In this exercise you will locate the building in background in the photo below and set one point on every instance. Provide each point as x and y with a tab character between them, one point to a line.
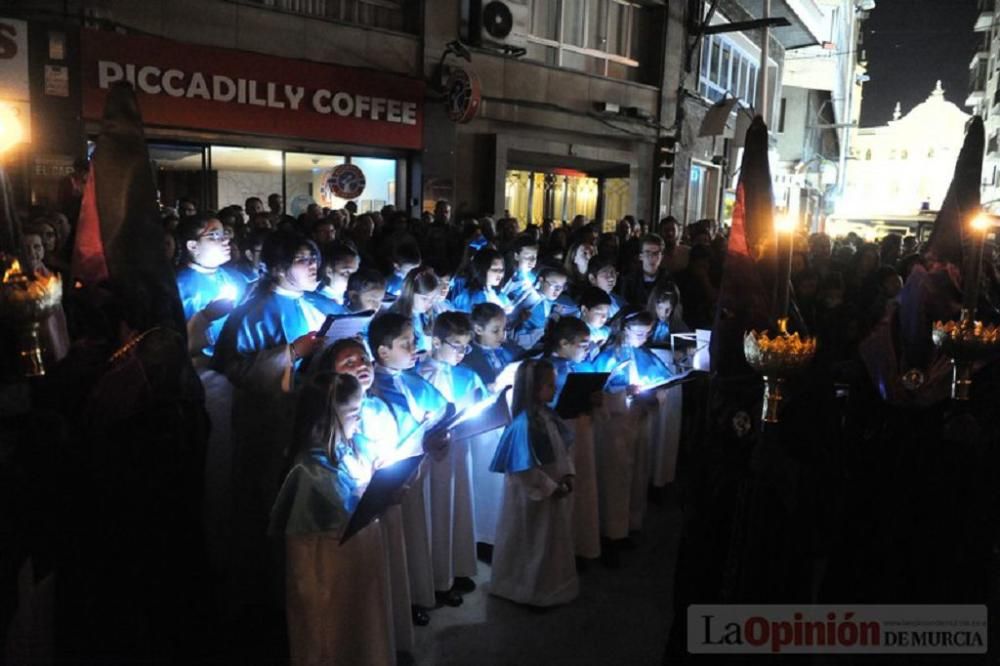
720	67
984	96
899	172
819	107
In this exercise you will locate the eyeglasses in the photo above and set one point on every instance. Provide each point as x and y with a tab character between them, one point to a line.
459	349
216	235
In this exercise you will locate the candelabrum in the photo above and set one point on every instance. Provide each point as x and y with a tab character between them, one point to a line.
777	358
25	302
965	341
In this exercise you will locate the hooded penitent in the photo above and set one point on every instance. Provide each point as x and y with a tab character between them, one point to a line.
745	301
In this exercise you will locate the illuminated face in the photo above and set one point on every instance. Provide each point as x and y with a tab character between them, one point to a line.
349	415
574	350
423	302
34	252
526	259
494	276
545	386
369	299
303	275
338	275
452	349
211	249
606	279
324	232
48	238
664	308
596	316
650	256
584	253
491	335
444	286
355	361
636	335
402	355
552	286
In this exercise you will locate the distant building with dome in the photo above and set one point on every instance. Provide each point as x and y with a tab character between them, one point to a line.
897	170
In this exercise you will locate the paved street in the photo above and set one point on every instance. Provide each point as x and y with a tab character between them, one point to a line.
621	617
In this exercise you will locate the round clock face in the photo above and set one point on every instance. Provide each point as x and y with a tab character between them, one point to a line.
345	181
464	96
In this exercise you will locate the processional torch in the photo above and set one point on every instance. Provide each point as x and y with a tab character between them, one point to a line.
781	355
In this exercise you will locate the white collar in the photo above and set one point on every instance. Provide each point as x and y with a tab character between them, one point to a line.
288	293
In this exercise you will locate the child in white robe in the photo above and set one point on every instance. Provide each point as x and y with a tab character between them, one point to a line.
453	532
336	597
533	559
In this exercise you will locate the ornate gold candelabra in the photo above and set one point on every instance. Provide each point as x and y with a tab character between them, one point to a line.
25	302
777	358
965	341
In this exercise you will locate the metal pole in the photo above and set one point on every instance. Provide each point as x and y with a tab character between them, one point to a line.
764	108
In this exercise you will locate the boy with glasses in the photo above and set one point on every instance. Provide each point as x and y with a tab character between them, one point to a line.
637	285
531	322
453	534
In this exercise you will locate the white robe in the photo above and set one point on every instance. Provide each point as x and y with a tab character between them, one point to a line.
586	514
336	598
533	561
615	443
487	486
665	438
452	522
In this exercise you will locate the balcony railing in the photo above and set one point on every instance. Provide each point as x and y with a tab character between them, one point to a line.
984	21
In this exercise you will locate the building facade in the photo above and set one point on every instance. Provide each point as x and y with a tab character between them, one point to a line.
819	107
903	168
984	96
562	111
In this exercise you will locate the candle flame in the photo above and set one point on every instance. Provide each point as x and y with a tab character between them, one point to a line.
12	272
785	224
981	222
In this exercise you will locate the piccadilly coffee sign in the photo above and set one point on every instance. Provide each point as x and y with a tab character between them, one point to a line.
204	88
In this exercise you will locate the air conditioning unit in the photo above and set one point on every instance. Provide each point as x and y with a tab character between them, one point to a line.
495	23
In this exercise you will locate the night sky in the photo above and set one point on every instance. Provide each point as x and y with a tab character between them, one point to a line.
911	44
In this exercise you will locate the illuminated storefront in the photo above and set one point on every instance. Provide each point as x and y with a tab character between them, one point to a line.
226	125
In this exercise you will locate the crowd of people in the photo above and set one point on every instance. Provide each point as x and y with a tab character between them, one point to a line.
451	312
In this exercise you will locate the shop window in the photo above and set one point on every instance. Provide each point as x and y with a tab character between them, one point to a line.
241	173
380	183
306	177
180	174
396	15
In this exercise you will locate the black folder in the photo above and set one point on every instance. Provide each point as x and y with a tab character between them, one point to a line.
575	397
381	493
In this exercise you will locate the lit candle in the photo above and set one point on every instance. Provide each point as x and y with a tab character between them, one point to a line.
784	226
970	281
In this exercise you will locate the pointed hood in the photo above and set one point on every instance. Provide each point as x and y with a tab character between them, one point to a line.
962	200
119	238
745	300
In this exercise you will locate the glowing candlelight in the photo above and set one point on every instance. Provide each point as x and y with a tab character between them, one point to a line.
228	292
784	227
980	224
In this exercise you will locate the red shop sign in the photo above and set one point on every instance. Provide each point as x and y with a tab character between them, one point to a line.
200	87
